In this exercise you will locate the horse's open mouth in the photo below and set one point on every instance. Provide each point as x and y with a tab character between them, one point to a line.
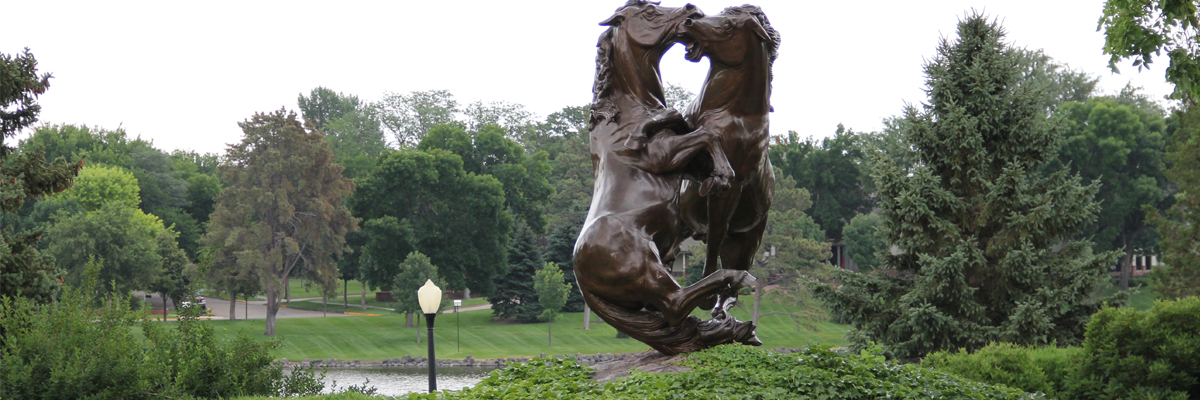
694	50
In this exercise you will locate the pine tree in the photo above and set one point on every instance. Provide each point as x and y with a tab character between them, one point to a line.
981	230
25	176
515	296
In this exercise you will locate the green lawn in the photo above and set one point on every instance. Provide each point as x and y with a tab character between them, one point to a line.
1143	299
376	338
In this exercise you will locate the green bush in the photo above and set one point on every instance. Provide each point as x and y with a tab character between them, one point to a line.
736	371
74	349
1032	369
1142	354
1126	354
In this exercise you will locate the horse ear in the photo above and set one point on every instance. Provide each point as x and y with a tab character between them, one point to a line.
613	20
760	31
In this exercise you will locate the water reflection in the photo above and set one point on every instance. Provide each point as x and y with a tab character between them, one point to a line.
400	381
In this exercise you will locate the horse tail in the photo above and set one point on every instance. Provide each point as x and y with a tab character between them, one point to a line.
651	327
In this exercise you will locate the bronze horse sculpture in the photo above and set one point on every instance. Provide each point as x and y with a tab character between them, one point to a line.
734	101
640	153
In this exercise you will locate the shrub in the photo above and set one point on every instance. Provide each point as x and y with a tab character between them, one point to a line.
736	371
1142	354
1032	369
74	349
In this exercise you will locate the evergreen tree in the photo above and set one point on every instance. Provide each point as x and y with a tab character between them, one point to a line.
981	230
414	272
559	249
515	296
25	176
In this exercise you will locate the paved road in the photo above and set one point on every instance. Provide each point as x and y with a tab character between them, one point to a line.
257	309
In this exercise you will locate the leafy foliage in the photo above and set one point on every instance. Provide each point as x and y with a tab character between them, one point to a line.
414	272
1179	274
975	219
73	349
1142	29
408	117
1045	370
551	295
129	242
1118	142
283	209
734	371
98	185
866	241
485	151
830	170
1127	354
351	127
424	201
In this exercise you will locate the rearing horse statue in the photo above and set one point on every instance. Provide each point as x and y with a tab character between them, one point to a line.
741	46
633	229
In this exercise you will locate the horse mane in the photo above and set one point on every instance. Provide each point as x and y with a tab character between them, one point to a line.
602	108
757	13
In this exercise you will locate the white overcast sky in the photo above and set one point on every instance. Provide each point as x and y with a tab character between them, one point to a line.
183	74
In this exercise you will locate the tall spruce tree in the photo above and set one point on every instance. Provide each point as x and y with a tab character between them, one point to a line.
981	230
515	296
25	176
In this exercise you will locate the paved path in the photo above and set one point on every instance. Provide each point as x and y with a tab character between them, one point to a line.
257	309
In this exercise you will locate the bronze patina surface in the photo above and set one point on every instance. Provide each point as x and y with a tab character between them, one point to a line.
642	152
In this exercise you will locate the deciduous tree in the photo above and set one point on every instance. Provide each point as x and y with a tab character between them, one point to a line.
865	241
977	222
408	117
1179	274
831	172
283	209
1143	29
1118	141
424	201
551	294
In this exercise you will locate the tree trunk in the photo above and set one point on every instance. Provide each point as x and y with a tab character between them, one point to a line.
232	306
324	306
164	317
408	318
345	293
419	331
287	291
759	285
272	308
1125	264
363	298
466	293
587	317
246	308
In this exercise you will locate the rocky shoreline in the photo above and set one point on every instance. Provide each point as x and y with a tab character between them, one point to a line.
607	365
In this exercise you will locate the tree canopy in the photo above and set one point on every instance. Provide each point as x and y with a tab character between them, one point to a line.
1143	29
830	170
283	210
424	201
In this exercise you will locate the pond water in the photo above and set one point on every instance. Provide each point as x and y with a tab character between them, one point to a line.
400	381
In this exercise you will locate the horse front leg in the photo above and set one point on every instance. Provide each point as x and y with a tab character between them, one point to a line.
668	152
679	305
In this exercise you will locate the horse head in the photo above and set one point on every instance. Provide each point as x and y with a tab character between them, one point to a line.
650	25
728	38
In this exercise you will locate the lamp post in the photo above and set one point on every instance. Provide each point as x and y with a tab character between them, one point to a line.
430	297
457	326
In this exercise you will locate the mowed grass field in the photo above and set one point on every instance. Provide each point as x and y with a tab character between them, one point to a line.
376	338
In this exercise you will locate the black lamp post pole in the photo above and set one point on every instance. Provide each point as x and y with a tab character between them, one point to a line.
432	360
